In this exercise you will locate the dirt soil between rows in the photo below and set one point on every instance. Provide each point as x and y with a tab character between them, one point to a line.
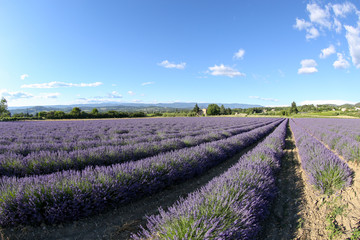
120	222
300	211
347	198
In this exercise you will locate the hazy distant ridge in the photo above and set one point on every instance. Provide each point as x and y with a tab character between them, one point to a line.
129	107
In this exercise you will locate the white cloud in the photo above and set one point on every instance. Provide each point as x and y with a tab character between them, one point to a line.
301	24
307	66
353	39
60	84
14	95
24	76
264	99
318	15
343	9
131	93
225	71
114	94
95	100
312	33
147	83
49	95
136	101
337	25
341	62
321	102
239	54
327	51
167	64
24	95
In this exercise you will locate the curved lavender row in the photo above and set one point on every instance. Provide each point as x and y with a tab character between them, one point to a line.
70	195
326	171
67	136
230	206
45	162
336	136
27	146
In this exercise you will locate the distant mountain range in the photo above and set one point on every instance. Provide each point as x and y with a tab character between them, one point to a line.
126	107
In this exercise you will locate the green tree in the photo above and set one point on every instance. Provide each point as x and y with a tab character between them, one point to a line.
42	114
213	109
222	110
76	112
59	114
94	111
228	111
4	112
293	108
196	108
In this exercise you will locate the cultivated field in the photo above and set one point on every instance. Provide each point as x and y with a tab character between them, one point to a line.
180	178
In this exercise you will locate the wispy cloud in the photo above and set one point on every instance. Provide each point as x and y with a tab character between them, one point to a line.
24	95
167	64
22	77
326	52
318	15
131	93
49	95
60	84
341	62
225	71
341	10
311	31
239	54
114	94
321	102
95	100
353	39
264	99
147	83
14	95
307	66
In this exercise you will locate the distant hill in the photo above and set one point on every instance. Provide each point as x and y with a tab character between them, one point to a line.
126	107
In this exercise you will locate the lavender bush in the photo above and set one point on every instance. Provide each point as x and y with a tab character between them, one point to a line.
230	206
341	135
46	161
70	195
324	169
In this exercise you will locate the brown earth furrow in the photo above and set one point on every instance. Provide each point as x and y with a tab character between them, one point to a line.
298	211
348	197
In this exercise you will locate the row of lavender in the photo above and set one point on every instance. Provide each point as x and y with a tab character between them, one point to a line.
69	195
341	135
326	171
26	137
45	162
230	206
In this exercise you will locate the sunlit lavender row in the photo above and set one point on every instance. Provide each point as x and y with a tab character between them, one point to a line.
26	137
70	195
230	206
341	135
44	162
326	171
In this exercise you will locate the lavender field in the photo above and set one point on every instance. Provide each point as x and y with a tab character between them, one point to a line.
66	171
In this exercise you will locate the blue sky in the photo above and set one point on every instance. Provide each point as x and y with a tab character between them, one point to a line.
250	51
